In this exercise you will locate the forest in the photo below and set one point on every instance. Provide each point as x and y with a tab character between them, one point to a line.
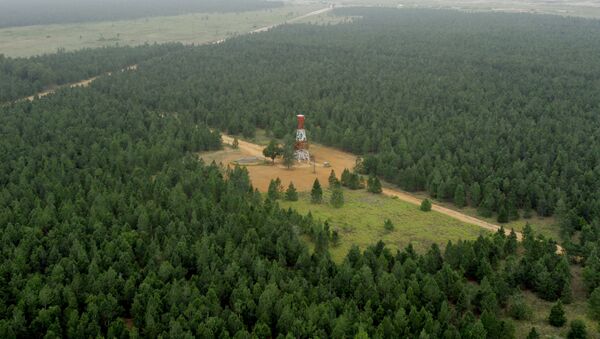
22	77
495	111
110	226
42	12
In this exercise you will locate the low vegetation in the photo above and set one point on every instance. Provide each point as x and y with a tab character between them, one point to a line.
361	222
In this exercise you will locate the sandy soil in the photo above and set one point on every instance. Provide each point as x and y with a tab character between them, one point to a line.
302	174
303	177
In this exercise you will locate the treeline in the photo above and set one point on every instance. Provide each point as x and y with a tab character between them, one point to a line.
22	77
495	111
41	12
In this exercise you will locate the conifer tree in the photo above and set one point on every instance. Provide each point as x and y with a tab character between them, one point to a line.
426	205
333	180
557	315
388	225
316	194
291	194
374	185
577	330
459	196
594	304
274	191
337	197
533	334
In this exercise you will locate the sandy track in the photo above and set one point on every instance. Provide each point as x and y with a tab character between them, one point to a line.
340	160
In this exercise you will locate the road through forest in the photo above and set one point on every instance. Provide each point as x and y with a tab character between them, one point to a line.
87	82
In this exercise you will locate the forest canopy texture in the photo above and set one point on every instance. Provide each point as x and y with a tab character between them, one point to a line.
110	226
497	111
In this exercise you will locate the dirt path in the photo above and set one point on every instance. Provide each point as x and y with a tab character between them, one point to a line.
340	160
87	82
82	83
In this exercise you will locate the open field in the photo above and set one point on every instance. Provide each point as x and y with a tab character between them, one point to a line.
195	28
588	9
360	222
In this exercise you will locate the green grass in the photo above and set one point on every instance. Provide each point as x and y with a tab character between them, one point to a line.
195	28
546	226
575	310
360	221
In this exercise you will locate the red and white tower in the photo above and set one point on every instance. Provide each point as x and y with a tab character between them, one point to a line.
301	146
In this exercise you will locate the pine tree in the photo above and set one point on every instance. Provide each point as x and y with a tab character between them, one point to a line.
426	205
288	156
594	304
502	215
374	185
388	225
316	194
337	197
510	246
459	196
333	180
475	198
578	330
533	334
557	315
291	194
274	191
345	178
354	182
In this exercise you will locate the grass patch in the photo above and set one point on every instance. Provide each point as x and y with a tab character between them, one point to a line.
361	221
575	310
540	225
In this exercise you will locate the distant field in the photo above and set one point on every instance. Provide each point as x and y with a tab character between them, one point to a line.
588	9
360	221
191	28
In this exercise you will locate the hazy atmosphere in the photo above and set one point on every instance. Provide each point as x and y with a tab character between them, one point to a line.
299	169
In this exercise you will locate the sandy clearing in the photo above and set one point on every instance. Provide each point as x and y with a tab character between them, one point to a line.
303	177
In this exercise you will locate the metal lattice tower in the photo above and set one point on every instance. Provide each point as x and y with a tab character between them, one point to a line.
301	146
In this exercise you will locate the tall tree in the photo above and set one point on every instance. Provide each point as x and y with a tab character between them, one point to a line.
291	194
337	197
316	194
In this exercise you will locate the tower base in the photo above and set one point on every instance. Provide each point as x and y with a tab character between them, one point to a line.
302	155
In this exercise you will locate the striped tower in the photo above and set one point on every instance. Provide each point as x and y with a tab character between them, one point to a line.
301	146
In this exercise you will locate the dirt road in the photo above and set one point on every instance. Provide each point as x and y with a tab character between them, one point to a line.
86	82
340	160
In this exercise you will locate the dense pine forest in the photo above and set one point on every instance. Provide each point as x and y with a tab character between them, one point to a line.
22	77
492	110
110	226
42	12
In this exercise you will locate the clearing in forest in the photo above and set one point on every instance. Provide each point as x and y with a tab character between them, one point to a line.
360	221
